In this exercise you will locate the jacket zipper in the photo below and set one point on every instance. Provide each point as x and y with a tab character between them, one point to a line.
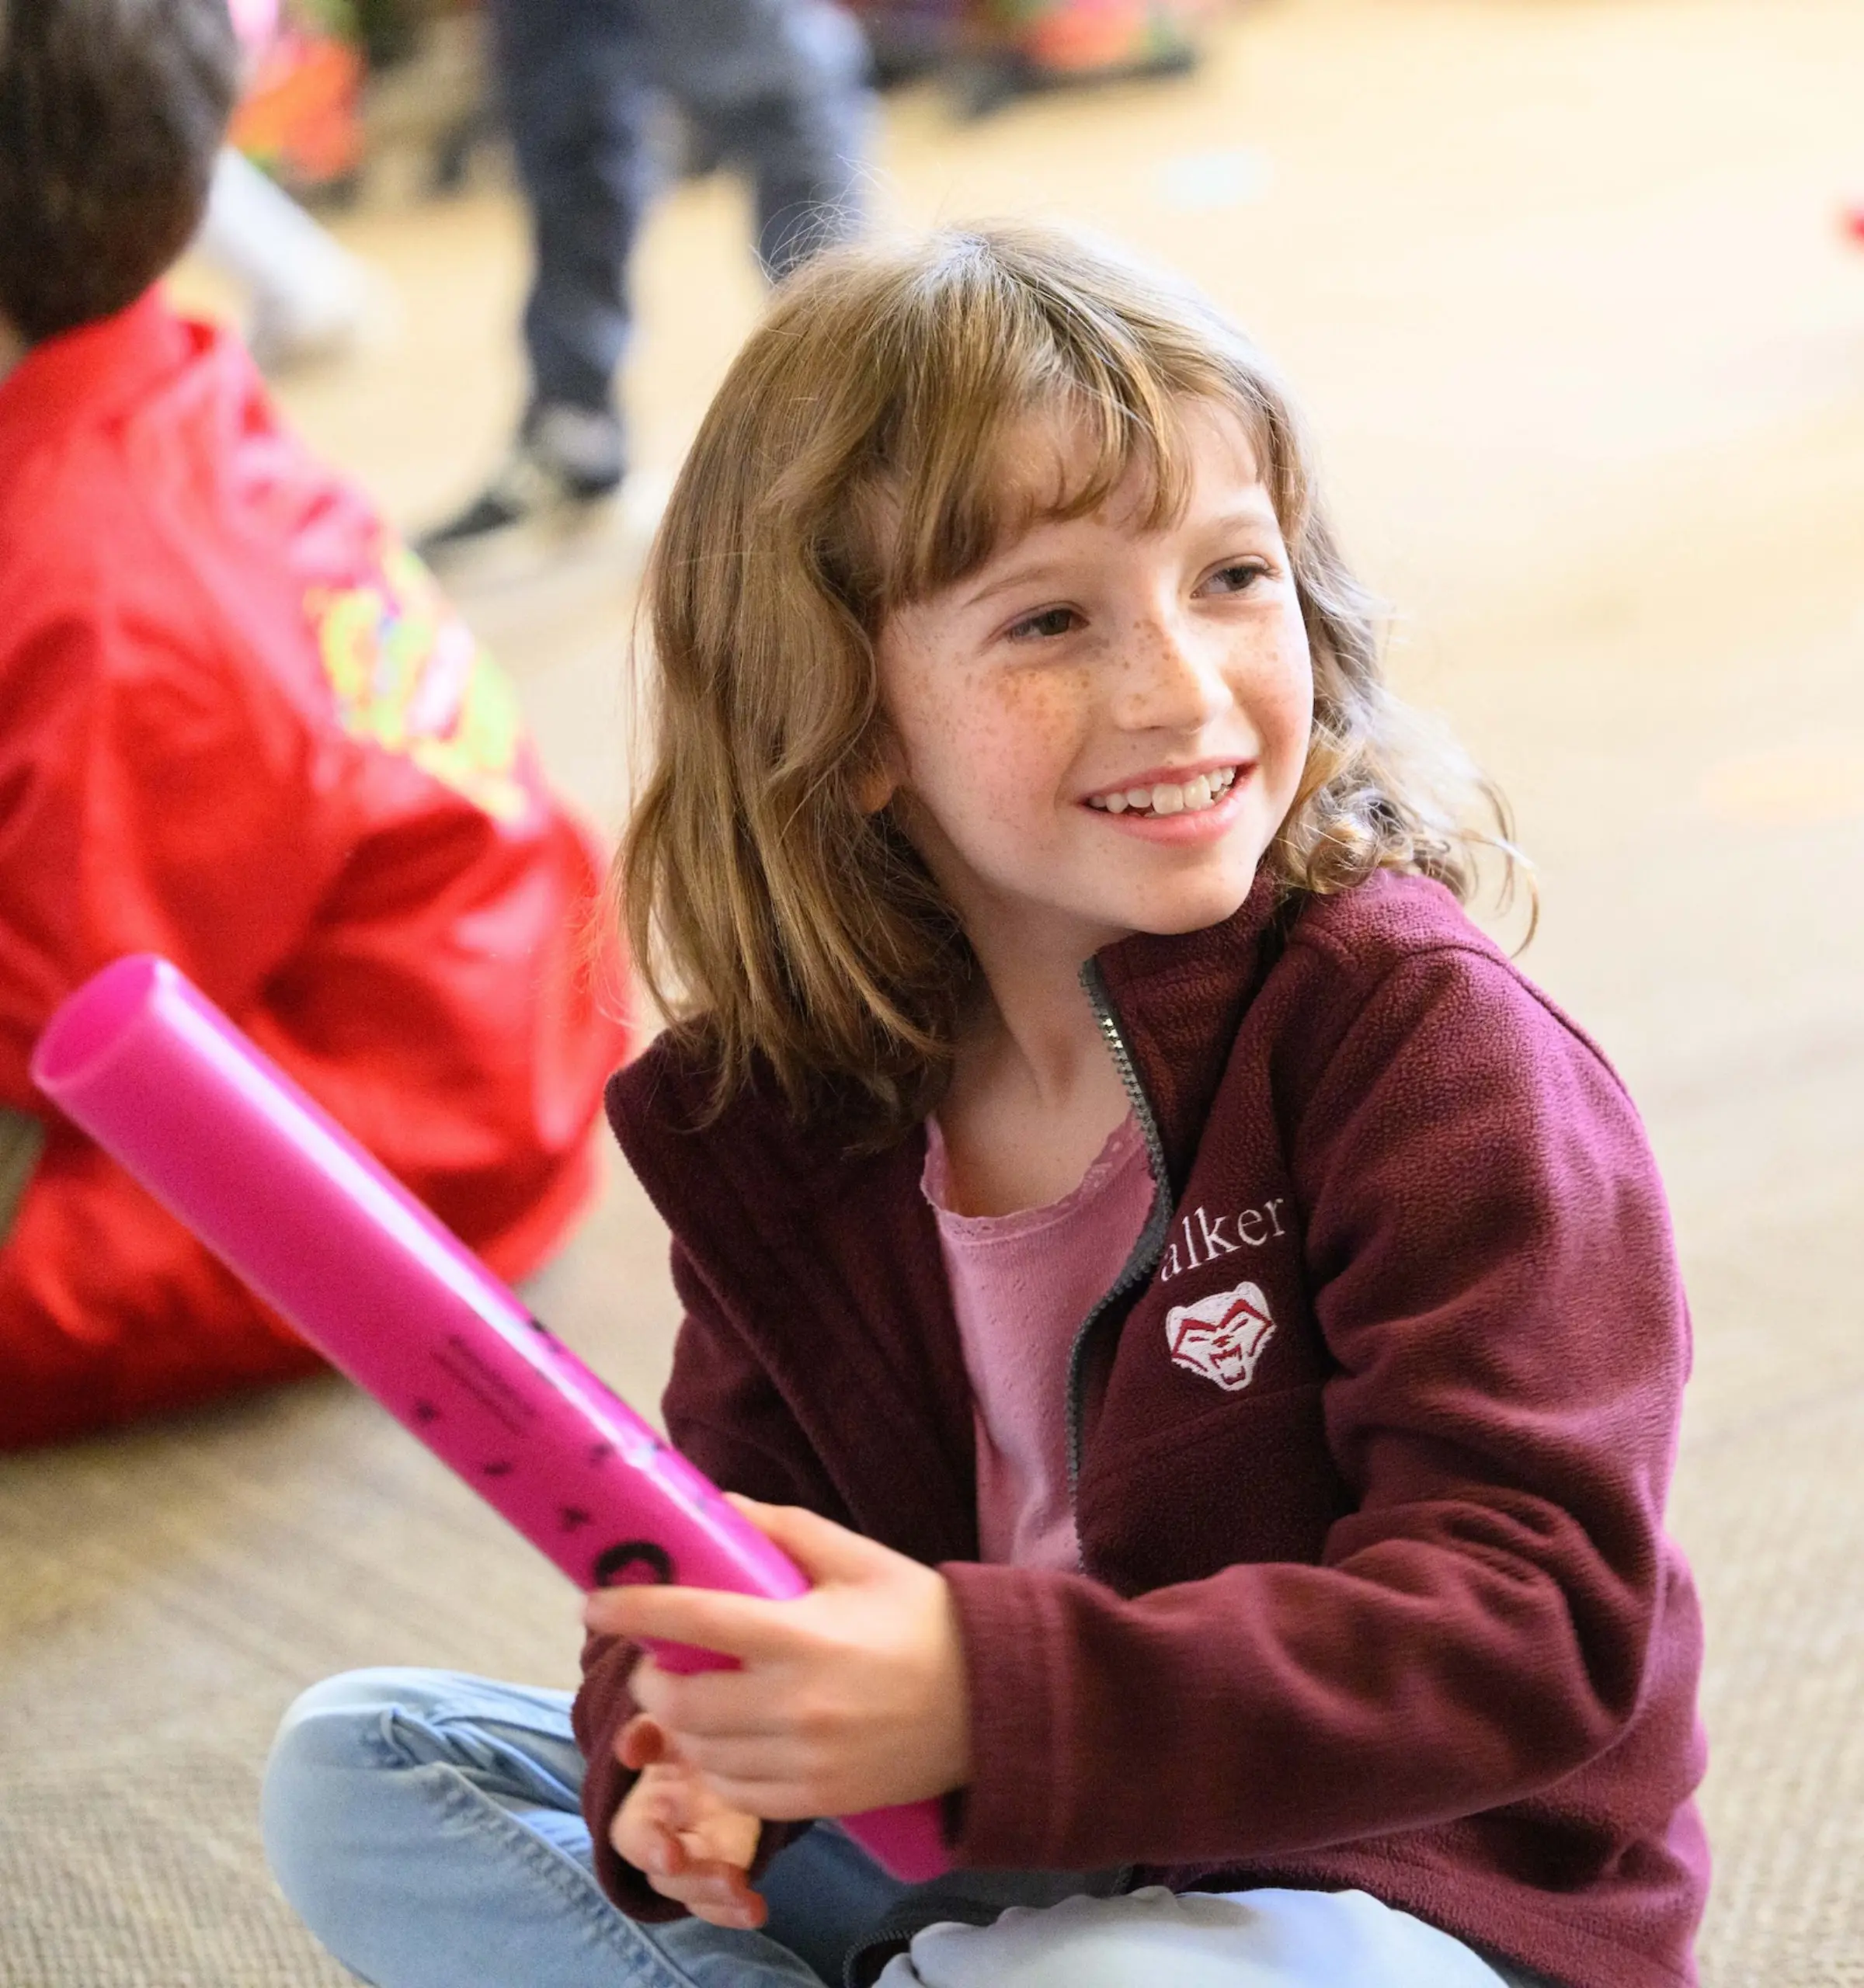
1151	1245
1139	1266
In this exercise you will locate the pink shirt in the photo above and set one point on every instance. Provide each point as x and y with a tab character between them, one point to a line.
1021	1284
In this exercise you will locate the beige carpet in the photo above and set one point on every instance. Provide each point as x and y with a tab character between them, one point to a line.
1560	280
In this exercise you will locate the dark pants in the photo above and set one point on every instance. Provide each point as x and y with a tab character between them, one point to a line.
777	87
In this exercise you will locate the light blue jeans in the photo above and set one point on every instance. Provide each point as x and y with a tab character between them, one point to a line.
426	1826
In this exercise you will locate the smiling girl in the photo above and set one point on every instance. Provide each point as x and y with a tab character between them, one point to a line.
1207	1326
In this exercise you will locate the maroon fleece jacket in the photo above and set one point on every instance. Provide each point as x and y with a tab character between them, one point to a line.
1373	1440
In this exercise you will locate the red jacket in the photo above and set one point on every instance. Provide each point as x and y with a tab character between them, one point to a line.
238	725
1374	1439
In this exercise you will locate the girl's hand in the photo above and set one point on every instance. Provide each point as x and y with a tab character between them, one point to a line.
851	1697
692	1847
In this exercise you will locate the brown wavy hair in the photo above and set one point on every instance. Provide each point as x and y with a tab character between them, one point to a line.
851	462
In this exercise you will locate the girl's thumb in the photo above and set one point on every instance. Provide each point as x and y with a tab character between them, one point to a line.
823	1550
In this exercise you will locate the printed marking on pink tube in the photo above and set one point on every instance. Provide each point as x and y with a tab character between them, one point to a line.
643	1563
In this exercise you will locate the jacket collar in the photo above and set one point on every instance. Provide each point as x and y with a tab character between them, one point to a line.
88	374
1176	1000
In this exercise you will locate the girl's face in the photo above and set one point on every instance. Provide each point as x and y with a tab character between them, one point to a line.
1099	730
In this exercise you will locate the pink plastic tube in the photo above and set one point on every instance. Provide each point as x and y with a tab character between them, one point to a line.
146	1065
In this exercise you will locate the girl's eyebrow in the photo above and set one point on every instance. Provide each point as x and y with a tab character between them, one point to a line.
1250	512
1258	513
1017	576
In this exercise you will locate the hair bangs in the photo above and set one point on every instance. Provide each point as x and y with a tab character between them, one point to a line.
1026	404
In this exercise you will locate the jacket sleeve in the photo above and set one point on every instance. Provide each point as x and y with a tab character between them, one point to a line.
407	957
724	1415
1489	1263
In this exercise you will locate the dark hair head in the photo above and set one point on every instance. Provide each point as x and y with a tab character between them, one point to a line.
111	112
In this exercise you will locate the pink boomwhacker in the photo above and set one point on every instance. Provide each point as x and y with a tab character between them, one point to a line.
141	1060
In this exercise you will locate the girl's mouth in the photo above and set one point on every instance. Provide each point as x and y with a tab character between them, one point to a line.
1163	798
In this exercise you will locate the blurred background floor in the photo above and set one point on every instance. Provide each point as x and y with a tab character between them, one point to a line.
1561	283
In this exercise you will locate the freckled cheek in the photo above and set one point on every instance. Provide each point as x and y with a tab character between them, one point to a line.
1293	715
1008	751
1043	729
938	720
1280	700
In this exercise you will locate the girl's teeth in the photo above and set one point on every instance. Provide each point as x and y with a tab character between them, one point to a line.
1196	793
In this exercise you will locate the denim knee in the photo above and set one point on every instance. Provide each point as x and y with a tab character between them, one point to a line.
324	1776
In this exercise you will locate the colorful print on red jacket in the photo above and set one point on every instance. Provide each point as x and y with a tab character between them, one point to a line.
409	676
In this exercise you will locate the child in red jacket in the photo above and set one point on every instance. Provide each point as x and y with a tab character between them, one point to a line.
239	726
1205	1324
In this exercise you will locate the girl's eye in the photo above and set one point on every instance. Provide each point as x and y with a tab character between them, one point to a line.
1238	578
1051	622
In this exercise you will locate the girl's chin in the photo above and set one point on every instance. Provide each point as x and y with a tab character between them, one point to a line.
1194	905
1166	922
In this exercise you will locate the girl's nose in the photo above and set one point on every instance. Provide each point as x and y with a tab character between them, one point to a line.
1169	681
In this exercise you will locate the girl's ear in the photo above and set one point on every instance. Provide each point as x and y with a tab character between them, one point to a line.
884	776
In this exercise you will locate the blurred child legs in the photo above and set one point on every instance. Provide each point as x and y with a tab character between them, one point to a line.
781	88
776	88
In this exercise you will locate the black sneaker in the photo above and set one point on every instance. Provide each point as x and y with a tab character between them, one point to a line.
566	462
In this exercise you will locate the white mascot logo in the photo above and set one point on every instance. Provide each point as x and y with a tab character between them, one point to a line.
1222	1337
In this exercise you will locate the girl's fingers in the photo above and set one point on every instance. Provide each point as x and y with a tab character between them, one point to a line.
650	1825
739	1762
694	1776
639	1840
733	1625
713	1701
824	1550
713	1887
778	1798
722	1905
677	1860
720	1886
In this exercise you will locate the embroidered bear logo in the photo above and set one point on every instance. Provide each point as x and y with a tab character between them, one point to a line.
1222	1337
